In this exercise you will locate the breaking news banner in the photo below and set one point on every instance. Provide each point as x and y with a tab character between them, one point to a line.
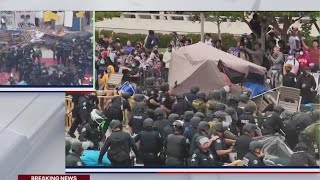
54	177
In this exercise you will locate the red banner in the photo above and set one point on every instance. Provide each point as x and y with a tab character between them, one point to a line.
53	177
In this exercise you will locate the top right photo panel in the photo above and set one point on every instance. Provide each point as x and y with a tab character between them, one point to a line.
218	88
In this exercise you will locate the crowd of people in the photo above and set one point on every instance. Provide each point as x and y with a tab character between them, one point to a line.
191	129
74	58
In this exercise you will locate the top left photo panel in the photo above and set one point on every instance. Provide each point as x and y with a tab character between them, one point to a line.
46	50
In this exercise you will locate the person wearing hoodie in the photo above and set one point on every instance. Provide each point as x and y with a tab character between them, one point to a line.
128	48
294	63
301	157
189	133
304	58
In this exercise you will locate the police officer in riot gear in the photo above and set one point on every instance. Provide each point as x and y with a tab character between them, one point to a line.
203	128
234	103
214	97
242	143
215	108
188	115
117	105
73	159
168	129
83	106
191	131
255	156
301	157
176	146
192	95
200	102
92	133
165	98
273	122
203	156
219	147
118	145
150	143
137	98
161	121
182	105
247	116
137	118
233	126
152	93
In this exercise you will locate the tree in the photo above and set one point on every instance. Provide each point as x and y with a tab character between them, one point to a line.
101	15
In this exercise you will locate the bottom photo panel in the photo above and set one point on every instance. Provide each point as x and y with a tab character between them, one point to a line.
157	130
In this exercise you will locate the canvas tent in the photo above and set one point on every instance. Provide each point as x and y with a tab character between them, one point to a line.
197	65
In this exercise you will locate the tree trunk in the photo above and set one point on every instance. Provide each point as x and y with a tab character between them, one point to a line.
219	29
202	26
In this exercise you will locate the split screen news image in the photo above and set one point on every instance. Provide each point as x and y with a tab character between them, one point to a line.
174	89
46	48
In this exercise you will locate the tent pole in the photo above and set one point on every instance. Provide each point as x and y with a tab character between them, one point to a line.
202	26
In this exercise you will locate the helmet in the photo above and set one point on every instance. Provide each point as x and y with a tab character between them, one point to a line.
178	125
140	106
164	87
115	124
218	127
159	112
172	117
194	89
203	126
139	90
200	115
180	96
216	95
219	107
248	127
255	145
232	100
201	95
244	98
315	115
279	109
220	115
147	123
150	81
76	147
202	140
301	146
230	111
250	108
138	97
125	95
97	116
195	121
188	115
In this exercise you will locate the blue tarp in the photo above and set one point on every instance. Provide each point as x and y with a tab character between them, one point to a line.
255	88
90	158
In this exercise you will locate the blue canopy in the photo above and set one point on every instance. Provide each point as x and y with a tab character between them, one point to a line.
255	88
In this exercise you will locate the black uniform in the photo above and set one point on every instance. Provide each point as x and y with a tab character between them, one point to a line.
166	131
176	147
73	160
182	106
242	145
302	158
220	144
117	106
152	93
250	159
193	143
244	119
93	133
201	158
136	121
160	125
272	124
120	144
289	80
166	100
150	146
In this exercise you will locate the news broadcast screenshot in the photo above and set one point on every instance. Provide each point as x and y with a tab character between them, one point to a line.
171	89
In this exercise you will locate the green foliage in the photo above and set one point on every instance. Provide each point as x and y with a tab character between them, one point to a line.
100	15
164	39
